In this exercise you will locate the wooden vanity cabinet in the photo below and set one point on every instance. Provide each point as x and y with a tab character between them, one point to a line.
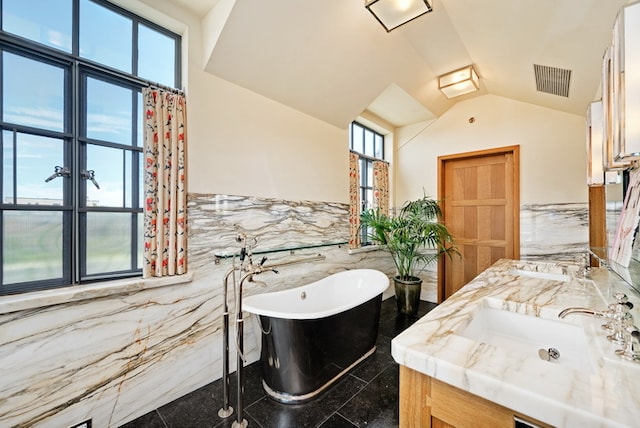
427	402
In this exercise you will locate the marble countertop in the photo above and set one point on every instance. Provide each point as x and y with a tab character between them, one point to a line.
608	395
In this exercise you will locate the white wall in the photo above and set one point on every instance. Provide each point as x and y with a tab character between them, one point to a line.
552	148
241	143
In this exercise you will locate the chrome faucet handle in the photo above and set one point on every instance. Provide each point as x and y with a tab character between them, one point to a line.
621	306
622	299
608	326
631	349
585	270
621	320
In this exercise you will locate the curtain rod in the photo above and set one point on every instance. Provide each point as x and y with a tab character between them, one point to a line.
154	85
369	157
134	79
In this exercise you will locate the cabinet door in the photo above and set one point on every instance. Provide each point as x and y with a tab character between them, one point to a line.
426	402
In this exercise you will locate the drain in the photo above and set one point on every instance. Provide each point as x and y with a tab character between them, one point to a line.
549	354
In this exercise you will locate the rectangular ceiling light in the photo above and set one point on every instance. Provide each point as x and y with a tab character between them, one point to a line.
394	13
459	82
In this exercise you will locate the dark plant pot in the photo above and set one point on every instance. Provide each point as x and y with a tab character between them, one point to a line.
408	295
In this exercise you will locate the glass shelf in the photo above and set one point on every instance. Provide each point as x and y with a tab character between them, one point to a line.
227	255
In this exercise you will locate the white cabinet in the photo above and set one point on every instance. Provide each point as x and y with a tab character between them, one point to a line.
621	87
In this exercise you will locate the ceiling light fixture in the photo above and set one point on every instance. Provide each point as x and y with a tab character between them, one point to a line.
459	82
394	13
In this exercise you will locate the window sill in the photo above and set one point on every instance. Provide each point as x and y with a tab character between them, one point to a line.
76	293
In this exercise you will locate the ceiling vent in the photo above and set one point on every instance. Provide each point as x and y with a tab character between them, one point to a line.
552	80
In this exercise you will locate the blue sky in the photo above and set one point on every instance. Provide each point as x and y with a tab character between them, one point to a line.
33	93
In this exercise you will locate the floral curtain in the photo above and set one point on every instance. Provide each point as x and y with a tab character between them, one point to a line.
354	200
165	223
381	186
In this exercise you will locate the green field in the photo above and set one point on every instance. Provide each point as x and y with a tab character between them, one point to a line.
32	245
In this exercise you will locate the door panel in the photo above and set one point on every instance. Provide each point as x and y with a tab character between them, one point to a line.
481	207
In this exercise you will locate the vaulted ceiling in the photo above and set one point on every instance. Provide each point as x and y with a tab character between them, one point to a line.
332	60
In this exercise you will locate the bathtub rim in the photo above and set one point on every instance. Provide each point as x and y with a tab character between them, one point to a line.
251	304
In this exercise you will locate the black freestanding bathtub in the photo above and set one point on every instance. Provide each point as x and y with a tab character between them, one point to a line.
314	334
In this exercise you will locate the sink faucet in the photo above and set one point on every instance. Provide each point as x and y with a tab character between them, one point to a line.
624	333
585	311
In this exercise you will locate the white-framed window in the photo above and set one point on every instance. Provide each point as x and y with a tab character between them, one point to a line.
71	76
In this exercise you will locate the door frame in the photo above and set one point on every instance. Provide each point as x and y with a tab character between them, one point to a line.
515	152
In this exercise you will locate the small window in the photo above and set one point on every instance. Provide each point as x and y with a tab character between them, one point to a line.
42	21
151	66
105	36
369	146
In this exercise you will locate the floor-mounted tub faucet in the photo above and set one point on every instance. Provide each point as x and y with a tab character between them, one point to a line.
246	262
245	272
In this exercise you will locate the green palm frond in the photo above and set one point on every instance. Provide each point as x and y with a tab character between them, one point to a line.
415	229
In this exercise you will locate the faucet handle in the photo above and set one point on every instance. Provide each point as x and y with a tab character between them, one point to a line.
631	349
621	320
623	299
608	326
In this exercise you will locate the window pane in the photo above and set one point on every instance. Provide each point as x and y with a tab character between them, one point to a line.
105	36
379	143
108	242
140	181
156	56
32	93
32	246
368	143
356	139
44	21
37	158
139	138
7	167
109	112
140	222
107	165
128	174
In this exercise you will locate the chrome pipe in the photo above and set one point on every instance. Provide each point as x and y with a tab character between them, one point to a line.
226	410
240	422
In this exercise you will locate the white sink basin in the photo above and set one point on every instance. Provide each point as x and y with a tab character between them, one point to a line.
541	275
522	336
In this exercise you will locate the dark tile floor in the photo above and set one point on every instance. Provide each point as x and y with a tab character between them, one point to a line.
368	396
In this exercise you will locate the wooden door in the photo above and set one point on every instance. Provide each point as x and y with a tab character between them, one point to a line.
480	194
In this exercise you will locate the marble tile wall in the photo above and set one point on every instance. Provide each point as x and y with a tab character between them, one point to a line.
554	231
114	358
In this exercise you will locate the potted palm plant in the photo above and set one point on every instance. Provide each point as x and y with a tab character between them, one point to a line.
415	238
